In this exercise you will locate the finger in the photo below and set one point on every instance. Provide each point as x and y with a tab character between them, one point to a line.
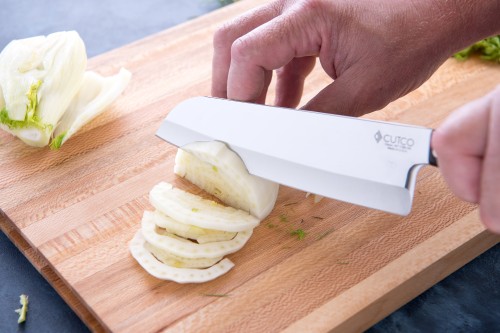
290	81
227	34
490	182
268	76
268	47
463	175
460	144
357	91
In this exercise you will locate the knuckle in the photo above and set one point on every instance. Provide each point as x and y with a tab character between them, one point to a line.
312	5
315	10
223	36
241	48
441	140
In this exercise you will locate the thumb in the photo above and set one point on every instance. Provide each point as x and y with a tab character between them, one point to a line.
351	94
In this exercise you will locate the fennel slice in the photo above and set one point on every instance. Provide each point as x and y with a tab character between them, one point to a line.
194	210
173	260
179	275
201	235
95	95
187	249
218	170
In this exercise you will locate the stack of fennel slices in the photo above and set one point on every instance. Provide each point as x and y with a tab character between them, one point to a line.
186	237
46	93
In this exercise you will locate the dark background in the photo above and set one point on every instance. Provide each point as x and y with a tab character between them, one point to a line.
466	301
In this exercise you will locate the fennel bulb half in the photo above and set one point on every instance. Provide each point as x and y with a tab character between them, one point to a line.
40	78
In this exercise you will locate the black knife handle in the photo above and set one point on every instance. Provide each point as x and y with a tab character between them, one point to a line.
432	157
432	154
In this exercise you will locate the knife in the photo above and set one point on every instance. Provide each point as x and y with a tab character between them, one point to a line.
364	162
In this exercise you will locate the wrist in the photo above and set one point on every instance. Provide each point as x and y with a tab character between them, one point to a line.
461	23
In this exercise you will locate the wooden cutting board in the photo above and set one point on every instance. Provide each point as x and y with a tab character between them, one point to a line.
73	211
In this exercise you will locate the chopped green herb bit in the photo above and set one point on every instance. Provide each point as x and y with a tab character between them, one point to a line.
301	234
270	225
216	295
290	204
318	217
215	168
23	299
283	218
194	210
326	233
488	49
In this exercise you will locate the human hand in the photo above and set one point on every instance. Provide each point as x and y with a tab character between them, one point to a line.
376	51
468	148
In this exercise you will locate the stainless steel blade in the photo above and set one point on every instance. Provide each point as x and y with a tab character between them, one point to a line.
369	163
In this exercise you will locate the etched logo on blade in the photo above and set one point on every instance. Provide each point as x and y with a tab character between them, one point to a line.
394	142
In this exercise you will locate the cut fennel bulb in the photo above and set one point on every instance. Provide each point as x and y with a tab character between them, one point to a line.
174	260
194	210
45	91
185	248
39	77
180	275
201	235
95	95
218	170
187	232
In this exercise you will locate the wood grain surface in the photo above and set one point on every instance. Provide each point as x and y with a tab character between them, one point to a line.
73	211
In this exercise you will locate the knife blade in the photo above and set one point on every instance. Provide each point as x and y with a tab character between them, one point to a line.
364	162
